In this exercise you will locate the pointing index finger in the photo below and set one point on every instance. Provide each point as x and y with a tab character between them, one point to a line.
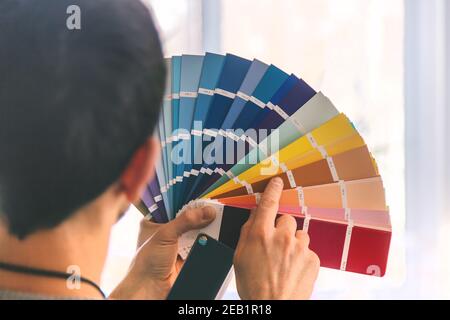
267	209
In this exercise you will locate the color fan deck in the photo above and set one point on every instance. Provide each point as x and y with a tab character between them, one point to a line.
228	125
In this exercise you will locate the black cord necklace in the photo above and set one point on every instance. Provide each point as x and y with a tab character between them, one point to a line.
47	273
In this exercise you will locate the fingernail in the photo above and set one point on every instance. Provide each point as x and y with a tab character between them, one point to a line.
277	181
208	213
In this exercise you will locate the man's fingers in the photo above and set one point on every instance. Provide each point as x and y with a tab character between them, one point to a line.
267	209
288	223
303	238
189	220
245	229
251	217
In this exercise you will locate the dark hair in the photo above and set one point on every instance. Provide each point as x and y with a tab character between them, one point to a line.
74	104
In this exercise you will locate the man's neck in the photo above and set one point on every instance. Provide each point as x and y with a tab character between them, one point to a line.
74	245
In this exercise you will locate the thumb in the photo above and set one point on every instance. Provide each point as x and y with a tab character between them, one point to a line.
190	219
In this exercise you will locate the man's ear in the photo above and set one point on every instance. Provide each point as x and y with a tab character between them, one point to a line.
140	170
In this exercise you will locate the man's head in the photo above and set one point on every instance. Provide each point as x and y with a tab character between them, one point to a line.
77	107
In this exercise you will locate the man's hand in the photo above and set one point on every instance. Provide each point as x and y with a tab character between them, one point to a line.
272	259
156	264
